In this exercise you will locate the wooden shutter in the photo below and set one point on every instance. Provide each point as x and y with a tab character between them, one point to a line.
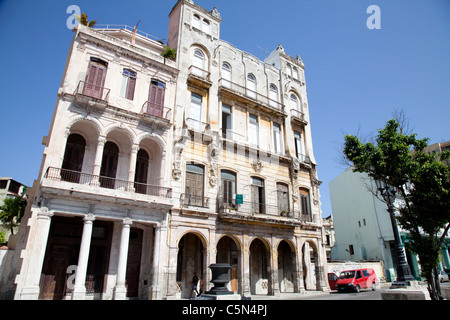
95	79
130	88
156	98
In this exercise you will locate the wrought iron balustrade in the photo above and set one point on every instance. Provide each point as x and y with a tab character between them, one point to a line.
58	174
92	90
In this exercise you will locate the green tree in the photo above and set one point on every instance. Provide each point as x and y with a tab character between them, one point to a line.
11	212
421	179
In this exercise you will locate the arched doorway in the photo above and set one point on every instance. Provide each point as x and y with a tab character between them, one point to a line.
109	165
286	267
73	158
310	261
259	269
140	178
228	252
190	262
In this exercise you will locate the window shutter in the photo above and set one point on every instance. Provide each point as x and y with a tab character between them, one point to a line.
130	88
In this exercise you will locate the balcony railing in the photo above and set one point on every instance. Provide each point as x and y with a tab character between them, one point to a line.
92	91
82	178
156	110
252	95
200	73
249	207
298	116
194	200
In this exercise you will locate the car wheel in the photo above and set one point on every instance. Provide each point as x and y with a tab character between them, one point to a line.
357	288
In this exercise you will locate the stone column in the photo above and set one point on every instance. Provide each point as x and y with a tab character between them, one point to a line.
99	156
32	265
245	270
155	293
275	287
132	169
120	291
79	290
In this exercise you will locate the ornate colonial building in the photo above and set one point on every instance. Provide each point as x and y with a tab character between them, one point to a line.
154	169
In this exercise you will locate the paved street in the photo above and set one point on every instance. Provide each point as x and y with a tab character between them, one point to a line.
333	295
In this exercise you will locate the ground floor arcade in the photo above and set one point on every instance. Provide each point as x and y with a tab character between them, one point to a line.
94	257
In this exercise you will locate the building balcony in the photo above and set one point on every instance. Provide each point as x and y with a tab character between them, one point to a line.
254	99
88	185
256	213
153	112
195	205
298	117
91	94
199	78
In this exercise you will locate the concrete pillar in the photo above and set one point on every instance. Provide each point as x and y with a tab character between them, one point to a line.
120	291
132	169
155	293
274	289
32	266
99	156
79	290
245	270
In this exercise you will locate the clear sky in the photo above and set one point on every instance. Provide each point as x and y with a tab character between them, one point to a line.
356	78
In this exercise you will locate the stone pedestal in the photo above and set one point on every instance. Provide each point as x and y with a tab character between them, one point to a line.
220	280
413	291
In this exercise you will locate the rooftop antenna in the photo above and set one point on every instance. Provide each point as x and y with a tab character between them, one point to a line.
263	49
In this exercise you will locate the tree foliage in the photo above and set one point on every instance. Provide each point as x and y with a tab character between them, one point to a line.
11	211
422	180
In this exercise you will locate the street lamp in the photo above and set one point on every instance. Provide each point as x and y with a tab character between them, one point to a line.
404	275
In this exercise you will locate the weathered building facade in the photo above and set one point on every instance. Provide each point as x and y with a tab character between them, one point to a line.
154	169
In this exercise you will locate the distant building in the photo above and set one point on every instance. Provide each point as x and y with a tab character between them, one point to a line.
154	169
363	227
10	188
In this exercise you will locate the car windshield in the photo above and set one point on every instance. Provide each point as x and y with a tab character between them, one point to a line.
347	275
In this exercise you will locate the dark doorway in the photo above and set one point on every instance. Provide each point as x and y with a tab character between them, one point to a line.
62	251
109	165
134	262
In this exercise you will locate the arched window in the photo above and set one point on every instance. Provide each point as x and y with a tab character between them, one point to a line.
257	196
228	188
95	78
140	177
251	86
226	75
305	203
295	102
128	84
73	158
194	189
206	28
109	165
283	198
199	59
196	21
273	96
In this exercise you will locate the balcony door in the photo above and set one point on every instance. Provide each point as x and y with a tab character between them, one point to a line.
194	185
95	78
73	158
156	98
109	165
140	178
257	190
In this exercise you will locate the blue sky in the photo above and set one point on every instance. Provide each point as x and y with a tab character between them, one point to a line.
356	78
